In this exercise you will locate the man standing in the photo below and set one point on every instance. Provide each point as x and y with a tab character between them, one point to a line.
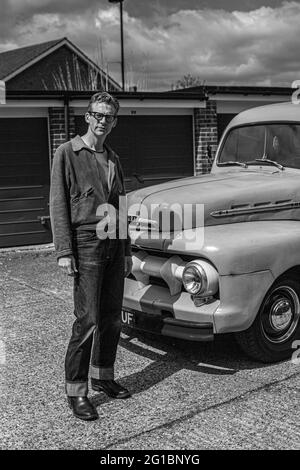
86	174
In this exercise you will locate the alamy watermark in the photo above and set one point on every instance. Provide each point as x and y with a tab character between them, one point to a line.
296	353
180	222
296	94
2	92
2	353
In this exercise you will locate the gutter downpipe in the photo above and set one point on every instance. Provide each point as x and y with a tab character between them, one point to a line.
66	116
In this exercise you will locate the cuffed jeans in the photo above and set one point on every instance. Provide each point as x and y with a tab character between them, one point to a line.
98	294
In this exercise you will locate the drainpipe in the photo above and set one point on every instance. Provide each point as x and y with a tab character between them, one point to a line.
66	115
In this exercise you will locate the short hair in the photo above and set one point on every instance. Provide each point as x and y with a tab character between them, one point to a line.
104	97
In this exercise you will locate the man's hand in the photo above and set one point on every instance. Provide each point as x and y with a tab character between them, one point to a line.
128	265
67	263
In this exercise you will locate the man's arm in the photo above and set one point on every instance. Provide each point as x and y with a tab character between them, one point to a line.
60	206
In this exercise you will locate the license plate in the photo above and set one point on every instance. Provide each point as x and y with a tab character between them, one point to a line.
128	318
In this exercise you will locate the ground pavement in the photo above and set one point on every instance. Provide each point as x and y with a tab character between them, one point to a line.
185	395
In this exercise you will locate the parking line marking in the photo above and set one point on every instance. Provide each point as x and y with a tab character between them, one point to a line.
212	366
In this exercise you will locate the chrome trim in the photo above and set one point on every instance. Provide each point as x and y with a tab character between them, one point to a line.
210	277
137	223
254	210
202	275
168	269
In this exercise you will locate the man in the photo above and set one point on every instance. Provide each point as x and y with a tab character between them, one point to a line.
86	174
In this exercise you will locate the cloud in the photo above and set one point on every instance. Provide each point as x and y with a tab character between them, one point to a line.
258	46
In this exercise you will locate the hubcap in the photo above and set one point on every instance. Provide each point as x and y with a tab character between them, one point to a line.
280	314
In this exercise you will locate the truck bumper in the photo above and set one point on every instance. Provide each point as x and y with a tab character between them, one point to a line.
177	316
153	309
167	326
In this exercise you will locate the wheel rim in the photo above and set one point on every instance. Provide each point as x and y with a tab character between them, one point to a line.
280	314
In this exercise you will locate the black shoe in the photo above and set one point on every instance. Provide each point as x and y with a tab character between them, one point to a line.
111	388
83	408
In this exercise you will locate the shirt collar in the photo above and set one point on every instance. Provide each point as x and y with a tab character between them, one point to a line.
78	144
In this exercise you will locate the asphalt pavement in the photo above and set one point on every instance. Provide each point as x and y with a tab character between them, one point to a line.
190	396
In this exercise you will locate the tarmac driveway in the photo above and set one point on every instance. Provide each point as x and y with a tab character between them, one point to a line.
185	395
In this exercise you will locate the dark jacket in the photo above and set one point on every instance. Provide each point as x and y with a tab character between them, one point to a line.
77	190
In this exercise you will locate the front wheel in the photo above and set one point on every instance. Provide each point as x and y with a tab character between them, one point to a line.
277	325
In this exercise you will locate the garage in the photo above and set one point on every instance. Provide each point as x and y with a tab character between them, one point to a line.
24	181
152	148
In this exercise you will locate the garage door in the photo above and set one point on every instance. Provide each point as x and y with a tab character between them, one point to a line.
24	182
152	149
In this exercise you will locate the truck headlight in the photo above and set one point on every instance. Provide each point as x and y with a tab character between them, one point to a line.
200	278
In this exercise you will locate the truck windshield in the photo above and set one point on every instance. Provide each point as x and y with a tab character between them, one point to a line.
279	142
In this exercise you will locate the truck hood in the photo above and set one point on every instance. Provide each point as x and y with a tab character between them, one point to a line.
214	199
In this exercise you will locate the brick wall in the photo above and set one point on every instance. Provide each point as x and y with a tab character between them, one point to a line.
206	136
58	134
72	132
57	128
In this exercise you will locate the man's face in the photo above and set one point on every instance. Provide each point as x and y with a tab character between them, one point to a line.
101	127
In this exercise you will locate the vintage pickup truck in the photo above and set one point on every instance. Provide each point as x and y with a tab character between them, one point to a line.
234	268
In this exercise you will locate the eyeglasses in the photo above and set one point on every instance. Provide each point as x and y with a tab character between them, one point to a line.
99	116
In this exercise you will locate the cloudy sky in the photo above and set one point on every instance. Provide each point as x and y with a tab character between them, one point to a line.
230	42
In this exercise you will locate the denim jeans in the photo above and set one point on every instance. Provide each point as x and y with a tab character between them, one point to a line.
98	294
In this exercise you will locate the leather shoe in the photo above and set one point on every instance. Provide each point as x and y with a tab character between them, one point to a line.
82	408
111	388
